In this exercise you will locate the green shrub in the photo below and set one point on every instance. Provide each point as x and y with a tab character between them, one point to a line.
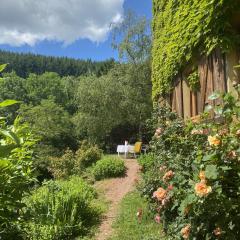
16	174
146	161
61	210
87	155
71	163
63	167
194	179
109	167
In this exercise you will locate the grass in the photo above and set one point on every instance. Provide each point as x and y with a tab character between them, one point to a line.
127	226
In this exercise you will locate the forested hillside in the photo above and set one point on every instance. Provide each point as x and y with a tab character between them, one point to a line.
24	64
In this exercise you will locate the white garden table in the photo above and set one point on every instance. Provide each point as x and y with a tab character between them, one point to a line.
125	149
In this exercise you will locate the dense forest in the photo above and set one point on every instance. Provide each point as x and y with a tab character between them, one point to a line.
24	64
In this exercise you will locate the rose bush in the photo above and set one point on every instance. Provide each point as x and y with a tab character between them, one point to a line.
193	182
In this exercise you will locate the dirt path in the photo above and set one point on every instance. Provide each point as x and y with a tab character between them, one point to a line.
114	191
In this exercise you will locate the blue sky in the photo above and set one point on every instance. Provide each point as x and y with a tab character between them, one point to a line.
80	49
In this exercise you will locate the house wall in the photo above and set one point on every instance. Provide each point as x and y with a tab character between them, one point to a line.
216	73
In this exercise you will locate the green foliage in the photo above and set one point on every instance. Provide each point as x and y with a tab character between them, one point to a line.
193	81
62	210
49	121
184	29
99	112
129	226
25	64
146	161
71	162
16	174
109	167
194	179
132	38
63	167
87	155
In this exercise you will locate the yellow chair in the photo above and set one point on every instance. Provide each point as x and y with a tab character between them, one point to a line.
136	149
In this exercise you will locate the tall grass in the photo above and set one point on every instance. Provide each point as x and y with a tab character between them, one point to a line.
62	210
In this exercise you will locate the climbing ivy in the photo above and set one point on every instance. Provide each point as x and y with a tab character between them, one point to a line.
193	80
183	29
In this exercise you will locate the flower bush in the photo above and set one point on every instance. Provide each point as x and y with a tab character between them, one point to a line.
193	183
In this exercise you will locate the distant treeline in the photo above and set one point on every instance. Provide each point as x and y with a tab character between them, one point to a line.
24	64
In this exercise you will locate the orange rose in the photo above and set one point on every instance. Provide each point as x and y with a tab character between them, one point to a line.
160	194
158	132
232	154
168	175
217	232
214	140
186	231
202	189
223	132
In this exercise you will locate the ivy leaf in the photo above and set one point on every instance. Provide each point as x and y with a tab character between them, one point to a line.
211	172
8	103
214	96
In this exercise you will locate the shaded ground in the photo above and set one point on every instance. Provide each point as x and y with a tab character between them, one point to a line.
114	190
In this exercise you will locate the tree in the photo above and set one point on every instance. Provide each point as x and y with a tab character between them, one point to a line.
47	85
51	122
99	107
132	38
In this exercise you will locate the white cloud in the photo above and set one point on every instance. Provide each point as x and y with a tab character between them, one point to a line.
30	21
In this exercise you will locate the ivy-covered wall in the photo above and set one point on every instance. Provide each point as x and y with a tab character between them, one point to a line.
184	29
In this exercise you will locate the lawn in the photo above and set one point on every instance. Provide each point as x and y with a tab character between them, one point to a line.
127	226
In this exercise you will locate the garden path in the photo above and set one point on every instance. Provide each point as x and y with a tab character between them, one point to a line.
114	190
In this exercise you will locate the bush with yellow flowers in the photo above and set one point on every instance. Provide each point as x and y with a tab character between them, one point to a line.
193	181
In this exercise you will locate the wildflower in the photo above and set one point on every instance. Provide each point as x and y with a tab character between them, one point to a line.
223	132
168	123
160	194
214	140
162	168
238	133
170	187
158	132
206	131
139	214
164	201
217	232
186	231
202	189
197	132
168	175
157	218
232	154
202	176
